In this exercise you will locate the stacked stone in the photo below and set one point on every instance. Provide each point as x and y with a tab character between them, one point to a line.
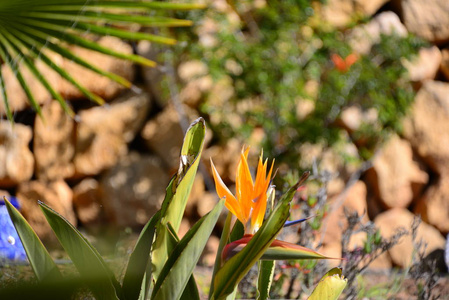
409	175
112	163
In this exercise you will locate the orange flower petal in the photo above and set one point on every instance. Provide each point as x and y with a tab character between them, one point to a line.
259	212
244	185
261	205
259	186
223	191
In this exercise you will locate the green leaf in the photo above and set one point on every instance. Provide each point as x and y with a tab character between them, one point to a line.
40	261
5	97
237	231
280	250
140	36
86	17
13	64
31	42
86	259
266	272
52	30
178	191
224	239
67	22
330	286
98	5
235	268
191	150
181	262
33	37
191	290
139	260
17	44
63	73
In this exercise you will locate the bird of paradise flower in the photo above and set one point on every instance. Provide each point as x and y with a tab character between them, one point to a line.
249	205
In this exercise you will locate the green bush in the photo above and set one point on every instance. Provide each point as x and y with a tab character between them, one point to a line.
281	55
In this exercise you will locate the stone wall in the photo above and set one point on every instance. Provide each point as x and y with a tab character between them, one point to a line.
409	173
111	164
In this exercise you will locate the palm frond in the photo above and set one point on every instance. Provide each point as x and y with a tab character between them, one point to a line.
32	29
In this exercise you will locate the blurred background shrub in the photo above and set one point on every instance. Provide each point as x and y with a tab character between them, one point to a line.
284	70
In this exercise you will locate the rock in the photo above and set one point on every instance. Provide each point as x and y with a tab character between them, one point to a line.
210	251
433	207
425	66
338	12
427	126
207	32
183	228
233	67
304	108
102	133
225	159
368	7
309	153
152	77
94	82
53	144
427	19
445	62
382	262
218	100
351	118
395	176
164	135
16	159
401	254
18	100
194	91
99	85
196	197
133	190
57	195
363	37
87	203
330	160
354	200
332	250
192	69
341	12
207	203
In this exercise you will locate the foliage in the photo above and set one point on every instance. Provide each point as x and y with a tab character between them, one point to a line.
331	285
280	62
426	270
358	259
313	202
161	264
35	30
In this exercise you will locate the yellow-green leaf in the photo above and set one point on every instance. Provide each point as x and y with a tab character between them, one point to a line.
178	192
330	286
40	260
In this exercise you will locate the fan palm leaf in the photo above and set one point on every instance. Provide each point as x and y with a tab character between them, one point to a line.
32	30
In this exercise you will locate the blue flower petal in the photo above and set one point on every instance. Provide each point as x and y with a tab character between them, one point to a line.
10	244
290	223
